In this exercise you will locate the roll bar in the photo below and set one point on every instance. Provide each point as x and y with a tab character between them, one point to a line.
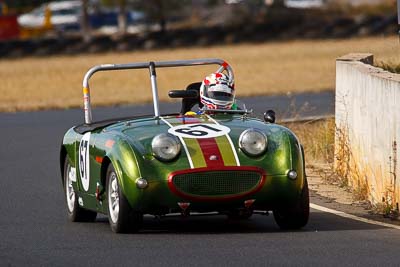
153	77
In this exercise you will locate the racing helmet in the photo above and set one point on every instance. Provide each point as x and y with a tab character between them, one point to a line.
217	91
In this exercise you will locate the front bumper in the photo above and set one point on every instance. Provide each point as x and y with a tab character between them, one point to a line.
164	196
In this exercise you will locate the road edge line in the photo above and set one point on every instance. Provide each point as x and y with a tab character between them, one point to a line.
353	217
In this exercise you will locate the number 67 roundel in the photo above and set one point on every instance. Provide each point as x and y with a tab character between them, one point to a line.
199	130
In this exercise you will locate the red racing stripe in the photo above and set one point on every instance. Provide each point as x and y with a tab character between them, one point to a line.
209	146
211	152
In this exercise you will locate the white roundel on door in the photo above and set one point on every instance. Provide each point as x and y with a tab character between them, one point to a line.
199	130
84	163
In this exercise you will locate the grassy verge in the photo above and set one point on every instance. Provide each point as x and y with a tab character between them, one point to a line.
389	65
260	69
317	138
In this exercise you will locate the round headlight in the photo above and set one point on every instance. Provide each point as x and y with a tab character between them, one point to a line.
253	142
165	146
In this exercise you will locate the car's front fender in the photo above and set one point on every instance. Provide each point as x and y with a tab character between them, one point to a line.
126	163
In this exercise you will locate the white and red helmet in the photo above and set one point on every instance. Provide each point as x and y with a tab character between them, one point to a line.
217	91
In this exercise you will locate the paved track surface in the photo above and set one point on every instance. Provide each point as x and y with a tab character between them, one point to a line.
34	229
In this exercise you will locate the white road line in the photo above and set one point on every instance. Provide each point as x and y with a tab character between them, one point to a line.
353	217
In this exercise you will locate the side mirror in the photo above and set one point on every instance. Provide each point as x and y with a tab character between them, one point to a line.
269	116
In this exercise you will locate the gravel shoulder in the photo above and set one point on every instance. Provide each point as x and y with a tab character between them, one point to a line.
332	195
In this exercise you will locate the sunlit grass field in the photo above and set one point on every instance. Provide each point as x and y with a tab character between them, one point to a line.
260	69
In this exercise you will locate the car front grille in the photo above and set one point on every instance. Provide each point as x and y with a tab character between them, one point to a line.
217	184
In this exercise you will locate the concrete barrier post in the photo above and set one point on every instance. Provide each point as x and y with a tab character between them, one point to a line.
368	128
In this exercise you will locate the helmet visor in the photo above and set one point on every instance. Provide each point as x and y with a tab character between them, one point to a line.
220	96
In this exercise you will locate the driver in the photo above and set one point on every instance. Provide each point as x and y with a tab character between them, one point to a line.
217	92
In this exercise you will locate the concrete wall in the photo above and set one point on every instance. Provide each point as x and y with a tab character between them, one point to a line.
368	128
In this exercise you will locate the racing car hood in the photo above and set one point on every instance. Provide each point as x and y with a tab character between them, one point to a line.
211	142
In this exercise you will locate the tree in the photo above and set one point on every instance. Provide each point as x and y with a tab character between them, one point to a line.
122	19
161	10
85	27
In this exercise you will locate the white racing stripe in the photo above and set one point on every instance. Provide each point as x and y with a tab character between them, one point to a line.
183	144
353	217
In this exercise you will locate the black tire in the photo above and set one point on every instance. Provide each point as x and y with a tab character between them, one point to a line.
296	216
74	212
125	220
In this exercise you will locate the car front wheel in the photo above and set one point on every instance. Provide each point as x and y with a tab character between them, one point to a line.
120	215
74	211
295	216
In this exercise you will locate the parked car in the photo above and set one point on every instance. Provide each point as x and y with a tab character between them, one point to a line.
63	15
206	160
66	16
304	3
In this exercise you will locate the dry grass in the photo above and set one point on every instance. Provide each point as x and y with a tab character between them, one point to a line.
389	65
317	138
260	69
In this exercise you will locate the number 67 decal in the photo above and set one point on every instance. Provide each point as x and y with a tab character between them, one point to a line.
199	130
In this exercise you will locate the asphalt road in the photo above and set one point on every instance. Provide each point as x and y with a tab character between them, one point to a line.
34	229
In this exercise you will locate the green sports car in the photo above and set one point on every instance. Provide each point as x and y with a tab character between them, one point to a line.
221	161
